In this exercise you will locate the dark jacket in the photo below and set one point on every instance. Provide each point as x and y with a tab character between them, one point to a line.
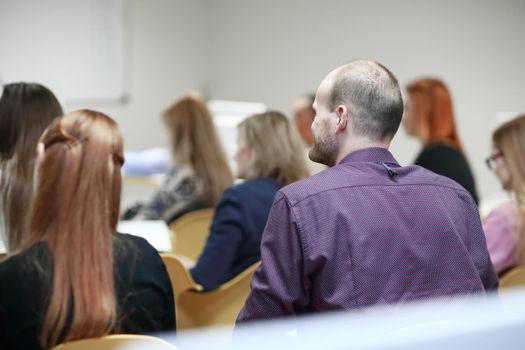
446	161
236	231
143	290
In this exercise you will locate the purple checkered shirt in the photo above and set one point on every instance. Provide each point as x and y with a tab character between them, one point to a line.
367	232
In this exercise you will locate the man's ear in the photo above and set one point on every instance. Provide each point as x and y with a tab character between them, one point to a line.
342	118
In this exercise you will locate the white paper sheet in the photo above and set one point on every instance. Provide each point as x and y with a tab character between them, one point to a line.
156	232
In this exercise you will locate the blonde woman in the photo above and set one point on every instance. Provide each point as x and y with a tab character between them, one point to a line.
201	172
75	277
504	226
269	156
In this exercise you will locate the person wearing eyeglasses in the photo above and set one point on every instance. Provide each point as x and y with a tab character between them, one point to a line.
504	226
429	117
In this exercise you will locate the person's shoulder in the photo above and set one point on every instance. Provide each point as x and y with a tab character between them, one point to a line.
180	171
425	176
439	147
233	192
420	176
326	180
439	150
135	253
9	266
21	263
507	211
256	185
133	244
251	187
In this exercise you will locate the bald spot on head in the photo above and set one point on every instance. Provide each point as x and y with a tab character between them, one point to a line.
371	93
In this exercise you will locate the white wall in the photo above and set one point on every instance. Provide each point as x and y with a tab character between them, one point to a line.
168	43
272	51
76	48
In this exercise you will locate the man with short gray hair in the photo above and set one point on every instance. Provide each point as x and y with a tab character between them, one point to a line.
365	231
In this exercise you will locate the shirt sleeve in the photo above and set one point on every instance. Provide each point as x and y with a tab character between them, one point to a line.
279	287
225	237
478	247
499	232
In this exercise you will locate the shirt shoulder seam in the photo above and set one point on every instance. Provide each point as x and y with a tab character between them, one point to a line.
293	204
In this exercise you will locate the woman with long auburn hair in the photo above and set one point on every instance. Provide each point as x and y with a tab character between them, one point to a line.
269	156
505	226
429	116
201	172
26	109
75	277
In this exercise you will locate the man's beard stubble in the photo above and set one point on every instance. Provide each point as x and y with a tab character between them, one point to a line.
323	151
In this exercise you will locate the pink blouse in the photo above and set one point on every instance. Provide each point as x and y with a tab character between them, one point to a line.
501	232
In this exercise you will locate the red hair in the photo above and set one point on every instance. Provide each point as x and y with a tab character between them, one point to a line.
75	212
433	113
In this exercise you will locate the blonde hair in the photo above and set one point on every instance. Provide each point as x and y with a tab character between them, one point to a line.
195	143
276	151
75	211
509	138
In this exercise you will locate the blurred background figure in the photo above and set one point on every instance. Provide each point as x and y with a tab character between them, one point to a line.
200	173
504	226
74	277
148	162
303	116
429	116
332	240
268	157
26	109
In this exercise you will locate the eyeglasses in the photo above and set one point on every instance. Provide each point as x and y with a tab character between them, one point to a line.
491	160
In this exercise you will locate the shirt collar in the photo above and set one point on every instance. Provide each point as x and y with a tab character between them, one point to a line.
373	154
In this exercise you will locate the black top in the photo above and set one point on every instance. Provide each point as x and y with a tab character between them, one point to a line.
144	294
236	230
446	161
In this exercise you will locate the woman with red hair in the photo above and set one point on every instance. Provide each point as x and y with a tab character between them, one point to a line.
75	277
429	117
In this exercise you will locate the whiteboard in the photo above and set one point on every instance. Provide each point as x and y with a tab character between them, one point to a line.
78	49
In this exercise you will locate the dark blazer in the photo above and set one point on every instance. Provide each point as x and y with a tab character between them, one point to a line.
235	236
446	161
143	290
